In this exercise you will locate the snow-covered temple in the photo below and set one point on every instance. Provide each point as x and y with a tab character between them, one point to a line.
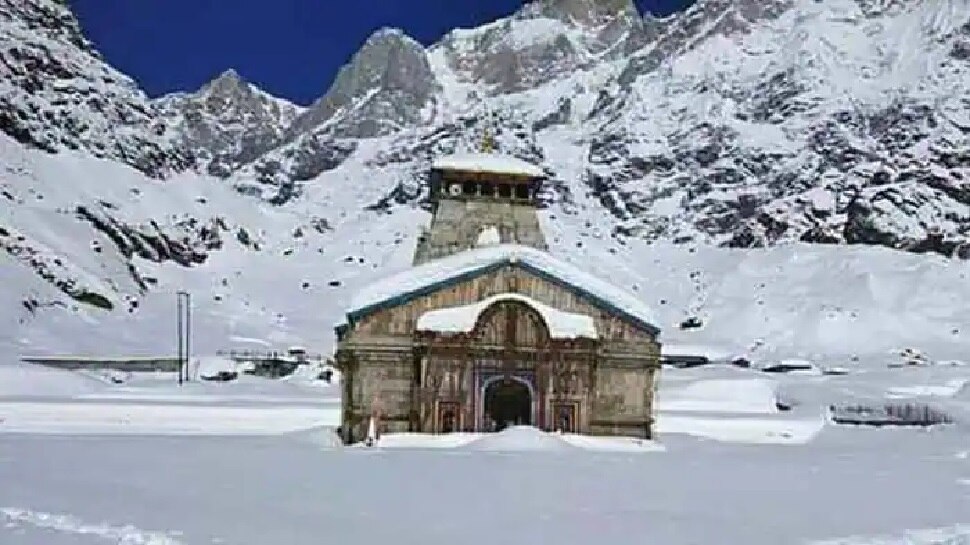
488	329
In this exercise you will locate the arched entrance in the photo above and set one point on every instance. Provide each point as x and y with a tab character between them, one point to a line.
508	402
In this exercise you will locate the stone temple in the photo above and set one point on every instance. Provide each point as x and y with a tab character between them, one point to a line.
489	330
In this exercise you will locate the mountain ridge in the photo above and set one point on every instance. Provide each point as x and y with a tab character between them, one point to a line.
733	124
548	64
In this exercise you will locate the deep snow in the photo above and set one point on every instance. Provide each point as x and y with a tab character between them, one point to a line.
255	491
252	462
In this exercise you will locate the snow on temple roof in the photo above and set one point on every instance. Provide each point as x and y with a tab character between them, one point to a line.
561	324
430	277
489	236
488	162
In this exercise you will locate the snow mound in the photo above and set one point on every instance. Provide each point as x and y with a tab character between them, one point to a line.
519	439
516	439
950	389
757	431
24	380
211	366
953	535
749	396
70	525
612	444
425	440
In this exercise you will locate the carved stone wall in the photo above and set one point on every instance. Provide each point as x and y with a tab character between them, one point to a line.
430	382
457	225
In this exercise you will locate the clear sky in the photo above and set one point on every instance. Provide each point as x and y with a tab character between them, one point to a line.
291	48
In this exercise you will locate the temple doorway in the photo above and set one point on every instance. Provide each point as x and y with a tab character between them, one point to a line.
508	402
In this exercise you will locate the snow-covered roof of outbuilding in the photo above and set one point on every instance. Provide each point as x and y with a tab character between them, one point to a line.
433	275
462	319
488	162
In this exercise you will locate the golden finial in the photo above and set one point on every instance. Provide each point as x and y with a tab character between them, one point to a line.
488	142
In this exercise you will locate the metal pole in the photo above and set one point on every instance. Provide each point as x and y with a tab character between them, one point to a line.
178	299
188	334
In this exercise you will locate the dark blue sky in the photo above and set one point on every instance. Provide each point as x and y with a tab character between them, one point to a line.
291	48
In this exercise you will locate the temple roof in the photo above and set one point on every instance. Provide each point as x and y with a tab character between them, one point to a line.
434	275
462	319
491	163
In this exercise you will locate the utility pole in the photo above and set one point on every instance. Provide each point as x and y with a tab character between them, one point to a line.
188	334
181	343
184	304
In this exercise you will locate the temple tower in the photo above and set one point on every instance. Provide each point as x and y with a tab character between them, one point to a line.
481	199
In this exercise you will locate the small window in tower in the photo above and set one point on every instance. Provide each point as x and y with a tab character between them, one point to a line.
469	188
522	192
505	191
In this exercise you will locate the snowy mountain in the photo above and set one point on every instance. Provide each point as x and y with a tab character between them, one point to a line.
834	122
736	124
228	122
385	87
57	93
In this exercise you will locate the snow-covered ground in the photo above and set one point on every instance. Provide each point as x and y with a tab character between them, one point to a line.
39	400
239	490
84	460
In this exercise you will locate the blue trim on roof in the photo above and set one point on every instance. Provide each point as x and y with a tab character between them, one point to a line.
404	298
602	303
425	290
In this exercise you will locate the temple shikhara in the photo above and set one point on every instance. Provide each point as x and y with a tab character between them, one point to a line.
489	330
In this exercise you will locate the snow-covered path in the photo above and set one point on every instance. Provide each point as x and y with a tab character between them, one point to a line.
255	491
155	419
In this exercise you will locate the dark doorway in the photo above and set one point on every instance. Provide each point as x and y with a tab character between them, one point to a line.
507	403
565	415
447	417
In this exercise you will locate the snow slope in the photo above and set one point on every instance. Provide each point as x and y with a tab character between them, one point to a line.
731	123
290	282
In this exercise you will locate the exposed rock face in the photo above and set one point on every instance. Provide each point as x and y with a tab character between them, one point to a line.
303	159
771	140
229	122
57	93
703	20
385	87
542	42
740	123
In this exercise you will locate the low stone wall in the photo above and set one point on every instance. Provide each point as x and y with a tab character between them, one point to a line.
164	365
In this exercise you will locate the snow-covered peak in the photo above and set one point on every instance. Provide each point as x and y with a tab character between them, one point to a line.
228	78
392	35
56	93
385	87
588	13
544	41
229	122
